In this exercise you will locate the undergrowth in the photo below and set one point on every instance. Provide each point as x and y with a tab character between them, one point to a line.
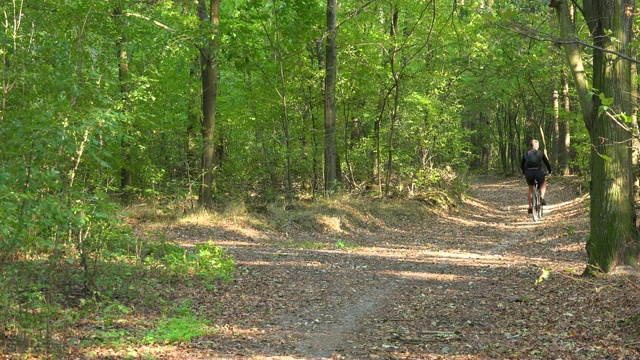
93	283
49	302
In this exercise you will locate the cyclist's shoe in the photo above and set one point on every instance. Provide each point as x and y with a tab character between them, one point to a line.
530	211
543	202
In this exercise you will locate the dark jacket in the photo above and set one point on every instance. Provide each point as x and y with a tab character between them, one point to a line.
533	159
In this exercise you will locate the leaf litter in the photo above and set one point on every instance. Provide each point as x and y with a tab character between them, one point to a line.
478	281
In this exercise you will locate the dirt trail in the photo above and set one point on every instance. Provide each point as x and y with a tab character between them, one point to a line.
479	282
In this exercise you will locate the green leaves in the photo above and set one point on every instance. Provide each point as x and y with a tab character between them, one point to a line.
605	108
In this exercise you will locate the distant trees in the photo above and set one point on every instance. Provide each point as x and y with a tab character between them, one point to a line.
210	108
210	100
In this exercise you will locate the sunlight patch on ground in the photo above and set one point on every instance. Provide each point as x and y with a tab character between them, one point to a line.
131	352
489	261
507	222
449	258
577	246
331	223
503	185
292	264
358	259
428	276
189	243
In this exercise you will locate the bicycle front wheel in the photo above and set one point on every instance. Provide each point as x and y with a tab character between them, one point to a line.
537	205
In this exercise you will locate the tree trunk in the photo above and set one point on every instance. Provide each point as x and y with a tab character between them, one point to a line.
377	126
396	99
315	126
514	141
502	148
612	240
635	152
555	142
564	149
276	45
123	76
330	147
209	78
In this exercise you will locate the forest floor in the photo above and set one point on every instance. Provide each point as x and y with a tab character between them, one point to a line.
478	281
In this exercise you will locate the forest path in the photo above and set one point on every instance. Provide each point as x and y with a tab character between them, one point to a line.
459	285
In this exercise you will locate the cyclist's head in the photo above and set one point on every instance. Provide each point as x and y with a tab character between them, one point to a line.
534	144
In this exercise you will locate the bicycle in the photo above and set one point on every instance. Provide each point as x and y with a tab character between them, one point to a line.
537	202
537	206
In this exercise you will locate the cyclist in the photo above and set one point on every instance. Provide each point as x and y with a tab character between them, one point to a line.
532	169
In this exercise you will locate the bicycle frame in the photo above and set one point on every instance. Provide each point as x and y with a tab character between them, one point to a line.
537	203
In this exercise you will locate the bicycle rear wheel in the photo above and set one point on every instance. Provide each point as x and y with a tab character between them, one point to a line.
537	204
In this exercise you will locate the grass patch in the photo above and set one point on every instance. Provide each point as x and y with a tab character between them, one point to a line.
176	330
182	326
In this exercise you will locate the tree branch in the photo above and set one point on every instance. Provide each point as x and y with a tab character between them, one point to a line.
155	22
540	36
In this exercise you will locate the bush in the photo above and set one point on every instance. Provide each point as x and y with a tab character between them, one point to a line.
209	262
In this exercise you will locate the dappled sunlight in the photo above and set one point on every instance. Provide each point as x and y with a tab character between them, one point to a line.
215	334
569	247
130	352
222	243
433	265
432	277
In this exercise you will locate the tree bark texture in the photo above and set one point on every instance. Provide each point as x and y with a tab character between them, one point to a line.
612	239
209	15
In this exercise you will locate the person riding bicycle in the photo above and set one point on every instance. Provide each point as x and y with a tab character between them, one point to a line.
532	169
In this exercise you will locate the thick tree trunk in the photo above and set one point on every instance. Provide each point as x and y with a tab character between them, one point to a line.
612	240
209	78
330	147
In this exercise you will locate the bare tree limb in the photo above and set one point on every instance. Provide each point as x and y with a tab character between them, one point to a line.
155	22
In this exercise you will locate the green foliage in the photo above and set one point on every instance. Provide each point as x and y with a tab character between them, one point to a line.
181	326
73	121
174	330
208	261
343	245
269	69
